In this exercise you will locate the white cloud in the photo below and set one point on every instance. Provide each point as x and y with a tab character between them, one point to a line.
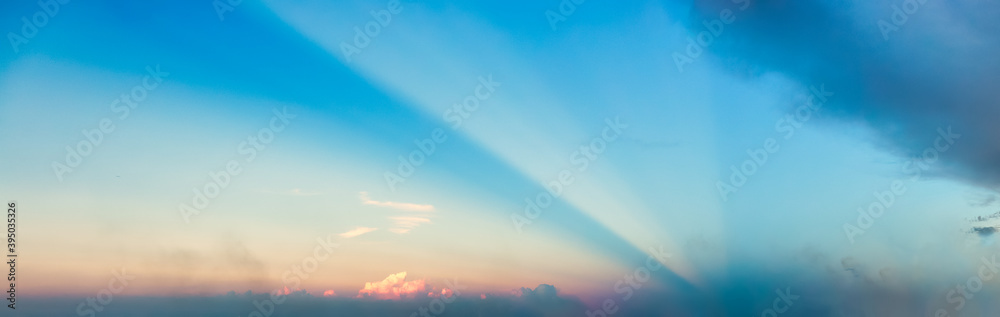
291	192
357	232
299	192
402	224
405	224
394	205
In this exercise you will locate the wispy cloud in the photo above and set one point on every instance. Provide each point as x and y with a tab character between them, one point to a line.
395	205
357	232
299	192
291	192
402	224
405	224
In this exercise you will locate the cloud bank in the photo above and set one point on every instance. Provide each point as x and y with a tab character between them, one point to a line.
905	69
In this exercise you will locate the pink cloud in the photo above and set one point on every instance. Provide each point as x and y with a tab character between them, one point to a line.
445	292
284	291
329	293
392	287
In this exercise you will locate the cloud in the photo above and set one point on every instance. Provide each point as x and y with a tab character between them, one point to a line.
329	293
357	232
405	224
889	82
394	205
303	304
283	291
443	293
394	286
402	224
299	192
292	192
542	291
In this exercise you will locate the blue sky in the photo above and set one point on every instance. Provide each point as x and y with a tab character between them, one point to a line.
557	86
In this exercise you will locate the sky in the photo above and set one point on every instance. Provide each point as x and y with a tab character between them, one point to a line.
531	152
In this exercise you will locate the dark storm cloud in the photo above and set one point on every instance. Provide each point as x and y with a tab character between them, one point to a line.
902	74
544	300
